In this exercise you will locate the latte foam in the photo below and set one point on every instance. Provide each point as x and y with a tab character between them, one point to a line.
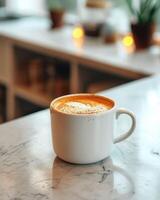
81	108
82	105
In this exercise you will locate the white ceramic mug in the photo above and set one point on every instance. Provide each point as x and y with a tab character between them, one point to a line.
86	138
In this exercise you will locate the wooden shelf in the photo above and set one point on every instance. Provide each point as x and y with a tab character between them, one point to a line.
36	97
18	48
3	81
2	103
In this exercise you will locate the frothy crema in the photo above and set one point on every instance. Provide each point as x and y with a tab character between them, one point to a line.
90	104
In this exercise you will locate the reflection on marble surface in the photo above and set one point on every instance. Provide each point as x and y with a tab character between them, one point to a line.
95	181
30	170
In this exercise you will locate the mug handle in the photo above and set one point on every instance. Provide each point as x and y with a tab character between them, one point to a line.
130	131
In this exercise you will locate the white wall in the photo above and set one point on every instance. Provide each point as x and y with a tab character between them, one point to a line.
27	6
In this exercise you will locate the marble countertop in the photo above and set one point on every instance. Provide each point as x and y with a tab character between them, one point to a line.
36	34
30	170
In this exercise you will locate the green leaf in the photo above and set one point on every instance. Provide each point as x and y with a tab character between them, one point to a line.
146	12
153	12
62	4
145	5
130	6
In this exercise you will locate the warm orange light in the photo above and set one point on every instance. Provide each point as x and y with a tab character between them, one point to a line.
128	41
79	43
78	33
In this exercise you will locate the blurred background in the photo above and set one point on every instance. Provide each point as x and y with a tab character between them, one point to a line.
38	62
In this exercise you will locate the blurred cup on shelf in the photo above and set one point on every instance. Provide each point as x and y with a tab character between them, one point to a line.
36	75
50	79
61	86
92	14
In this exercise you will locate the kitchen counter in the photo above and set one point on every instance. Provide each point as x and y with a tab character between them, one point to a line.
30	170
35	34
33	37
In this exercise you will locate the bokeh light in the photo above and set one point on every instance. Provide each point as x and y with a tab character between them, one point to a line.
78	32
128	41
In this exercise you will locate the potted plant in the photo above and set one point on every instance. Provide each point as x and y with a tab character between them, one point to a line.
143	23
57	9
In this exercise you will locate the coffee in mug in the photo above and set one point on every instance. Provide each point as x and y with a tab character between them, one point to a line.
83	127
83	105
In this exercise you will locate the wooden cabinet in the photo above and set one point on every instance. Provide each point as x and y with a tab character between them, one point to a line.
33	79
34	72
39	78
4	68
2	103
